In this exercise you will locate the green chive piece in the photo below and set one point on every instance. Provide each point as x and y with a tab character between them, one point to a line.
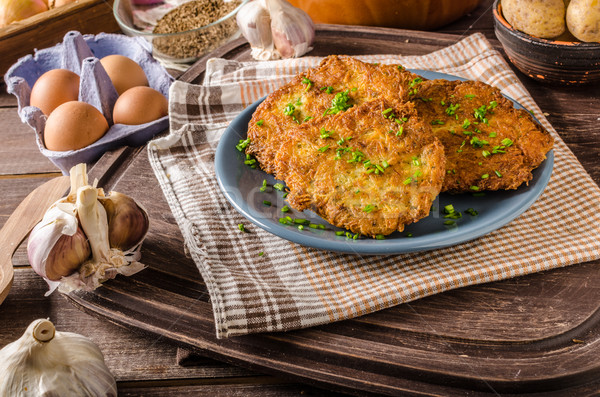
242	144
485	176
339	233
264	185
267	203
471	212
241	227
261	253
379	237
300	227
285	208
498	174
475	188
278	186
260	122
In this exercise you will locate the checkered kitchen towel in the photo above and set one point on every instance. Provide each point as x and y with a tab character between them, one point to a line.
292	286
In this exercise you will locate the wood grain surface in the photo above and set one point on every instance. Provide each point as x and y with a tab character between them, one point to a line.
145	360
526	335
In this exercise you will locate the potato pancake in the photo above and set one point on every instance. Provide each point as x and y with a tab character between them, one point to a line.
489	144
372	169
335	85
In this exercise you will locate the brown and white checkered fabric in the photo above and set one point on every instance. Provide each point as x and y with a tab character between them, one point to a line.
292	286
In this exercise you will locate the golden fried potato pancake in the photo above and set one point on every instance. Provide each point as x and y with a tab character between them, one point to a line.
372	169
335	85
489	144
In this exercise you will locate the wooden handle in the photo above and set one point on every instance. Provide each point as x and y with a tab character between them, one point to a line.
23	219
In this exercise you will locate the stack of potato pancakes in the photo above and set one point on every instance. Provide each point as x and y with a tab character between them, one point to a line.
368	147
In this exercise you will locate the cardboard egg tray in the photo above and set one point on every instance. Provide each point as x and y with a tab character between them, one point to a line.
81	54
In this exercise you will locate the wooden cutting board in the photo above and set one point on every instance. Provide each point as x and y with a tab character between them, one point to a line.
534	334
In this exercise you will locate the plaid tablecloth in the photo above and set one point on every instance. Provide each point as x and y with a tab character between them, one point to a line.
292	286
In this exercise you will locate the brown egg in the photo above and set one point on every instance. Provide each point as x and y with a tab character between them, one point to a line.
139	105
54	88
74	125
123	72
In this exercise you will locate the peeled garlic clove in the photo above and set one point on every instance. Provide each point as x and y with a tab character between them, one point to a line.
57	245
127	221
46	362
293	31
255	24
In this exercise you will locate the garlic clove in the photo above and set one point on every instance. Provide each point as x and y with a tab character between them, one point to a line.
255	24
292	29
46	362
57	245
67	254
93	220
128	222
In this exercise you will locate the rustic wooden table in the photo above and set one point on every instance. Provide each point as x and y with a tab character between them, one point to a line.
150	366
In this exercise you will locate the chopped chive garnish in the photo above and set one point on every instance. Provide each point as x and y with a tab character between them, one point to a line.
506	142
324	148
474	188
278	186
493	134
339	233
449	223
380	237
369	208
485	176
386	111
300	227
301	221
242	144
241	227
261	253
471	212
267	202
285	208
260	122
407	181
498	174
264	185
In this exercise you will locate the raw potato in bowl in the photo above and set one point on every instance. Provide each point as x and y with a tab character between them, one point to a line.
541	18
583	19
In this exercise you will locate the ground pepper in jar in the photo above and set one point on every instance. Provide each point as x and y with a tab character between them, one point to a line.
192	15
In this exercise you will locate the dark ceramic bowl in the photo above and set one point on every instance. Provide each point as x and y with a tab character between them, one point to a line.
547	60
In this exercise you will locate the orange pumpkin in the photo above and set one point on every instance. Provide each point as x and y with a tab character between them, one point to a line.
406	14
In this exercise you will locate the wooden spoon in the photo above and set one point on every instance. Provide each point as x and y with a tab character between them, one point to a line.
21	222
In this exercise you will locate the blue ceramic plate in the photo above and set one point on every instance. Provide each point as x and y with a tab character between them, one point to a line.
241	186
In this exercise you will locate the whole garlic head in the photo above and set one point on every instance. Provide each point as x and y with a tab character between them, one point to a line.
46	362
87	237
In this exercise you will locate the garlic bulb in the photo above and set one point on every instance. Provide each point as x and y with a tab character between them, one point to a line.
276	29
79	243
46	362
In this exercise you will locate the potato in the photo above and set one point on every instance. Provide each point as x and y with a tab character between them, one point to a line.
541	18
583	19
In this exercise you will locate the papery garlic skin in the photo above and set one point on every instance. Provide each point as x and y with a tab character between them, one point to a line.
46	362
276	29
254	21
292	29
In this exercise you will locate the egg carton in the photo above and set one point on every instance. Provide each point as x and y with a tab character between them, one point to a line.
81	54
